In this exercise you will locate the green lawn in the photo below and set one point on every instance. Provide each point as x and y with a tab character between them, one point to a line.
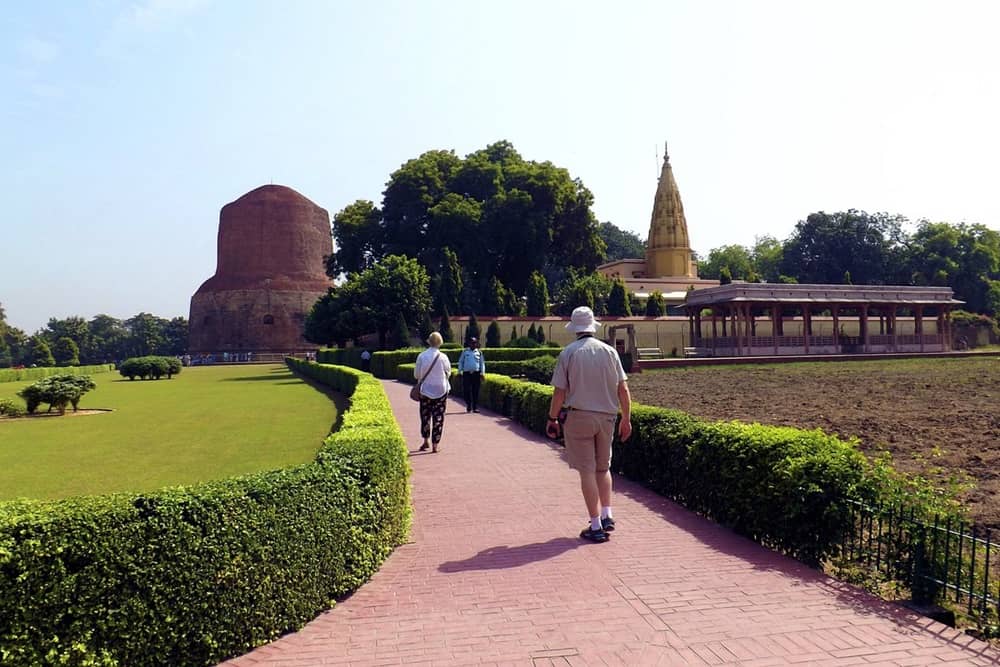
206	423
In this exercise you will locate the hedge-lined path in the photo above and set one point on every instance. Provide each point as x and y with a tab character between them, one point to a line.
495	574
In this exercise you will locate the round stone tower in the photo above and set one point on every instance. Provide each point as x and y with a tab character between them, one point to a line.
270	272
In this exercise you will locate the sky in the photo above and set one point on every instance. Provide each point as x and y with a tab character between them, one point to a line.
127	125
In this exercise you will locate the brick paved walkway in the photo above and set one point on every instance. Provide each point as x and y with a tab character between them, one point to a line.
495	574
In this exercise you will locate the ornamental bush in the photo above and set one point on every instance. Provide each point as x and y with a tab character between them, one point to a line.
384	363
57	391
9	408
150	367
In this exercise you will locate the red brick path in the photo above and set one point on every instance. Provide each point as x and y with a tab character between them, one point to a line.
495	574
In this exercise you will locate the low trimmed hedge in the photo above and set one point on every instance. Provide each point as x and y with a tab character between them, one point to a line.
193	575
19	374
786	488
384	363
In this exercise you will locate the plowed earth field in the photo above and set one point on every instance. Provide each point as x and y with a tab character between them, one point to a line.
936	416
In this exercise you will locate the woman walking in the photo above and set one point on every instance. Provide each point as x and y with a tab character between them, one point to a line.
432	372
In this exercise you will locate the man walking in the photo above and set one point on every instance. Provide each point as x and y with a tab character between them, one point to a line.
472	368
591	384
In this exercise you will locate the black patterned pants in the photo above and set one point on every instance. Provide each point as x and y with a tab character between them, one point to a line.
432	410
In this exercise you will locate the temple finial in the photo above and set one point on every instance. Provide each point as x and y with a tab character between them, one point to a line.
666	155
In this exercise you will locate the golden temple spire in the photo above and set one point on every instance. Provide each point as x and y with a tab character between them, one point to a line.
668	251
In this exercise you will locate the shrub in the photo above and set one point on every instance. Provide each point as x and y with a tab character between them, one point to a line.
539	369
10	409
57	391
194	575
524	341
493	335
150	367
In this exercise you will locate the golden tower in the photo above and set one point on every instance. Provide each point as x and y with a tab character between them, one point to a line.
668	251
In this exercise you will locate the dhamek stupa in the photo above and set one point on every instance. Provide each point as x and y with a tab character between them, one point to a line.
668	267
270	272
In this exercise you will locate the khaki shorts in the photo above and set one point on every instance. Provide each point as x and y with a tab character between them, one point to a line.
588	438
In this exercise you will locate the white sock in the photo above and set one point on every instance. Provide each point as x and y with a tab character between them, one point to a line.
595	523
606	512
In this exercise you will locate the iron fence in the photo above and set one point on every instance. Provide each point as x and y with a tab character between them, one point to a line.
939	561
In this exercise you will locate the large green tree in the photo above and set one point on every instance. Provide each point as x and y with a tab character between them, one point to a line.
736	257
766	257
145	335
583	289
448	284
620	243
41	354
824	245
74	328
175	337
106	340
503	216
537	298
371	301
655	305
357	236
619	303
333	319
964	257
66	352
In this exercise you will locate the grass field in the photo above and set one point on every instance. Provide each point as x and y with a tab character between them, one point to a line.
207	423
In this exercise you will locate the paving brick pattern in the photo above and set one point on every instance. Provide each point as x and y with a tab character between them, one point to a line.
495	574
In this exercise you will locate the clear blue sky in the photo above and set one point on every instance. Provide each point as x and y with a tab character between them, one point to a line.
126	126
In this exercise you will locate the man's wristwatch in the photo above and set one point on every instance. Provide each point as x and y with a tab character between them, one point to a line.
553	419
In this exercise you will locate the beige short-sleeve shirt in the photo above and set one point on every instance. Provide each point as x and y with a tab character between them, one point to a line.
590	371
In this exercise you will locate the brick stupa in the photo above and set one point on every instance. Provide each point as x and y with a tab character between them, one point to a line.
270	272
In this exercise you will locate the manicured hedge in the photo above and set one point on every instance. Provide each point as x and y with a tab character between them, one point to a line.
384	363
508	368
18	374
785	488
150	367
193	575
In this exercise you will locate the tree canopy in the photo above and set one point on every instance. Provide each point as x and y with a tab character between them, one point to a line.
873	249
371	300
502	216
620	243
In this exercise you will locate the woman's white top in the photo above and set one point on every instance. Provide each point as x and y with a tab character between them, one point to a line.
436	385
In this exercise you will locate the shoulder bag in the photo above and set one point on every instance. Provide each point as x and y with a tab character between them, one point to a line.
415	390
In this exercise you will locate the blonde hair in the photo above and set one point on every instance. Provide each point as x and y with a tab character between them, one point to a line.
435	340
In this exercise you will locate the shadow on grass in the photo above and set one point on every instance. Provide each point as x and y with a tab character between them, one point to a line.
257	378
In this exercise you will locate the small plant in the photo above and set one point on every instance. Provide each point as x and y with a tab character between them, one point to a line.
9	408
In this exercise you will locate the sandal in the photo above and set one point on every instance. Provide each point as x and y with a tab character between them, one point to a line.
424	447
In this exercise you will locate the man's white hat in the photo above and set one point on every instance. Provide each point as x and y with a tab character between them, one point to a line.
582	321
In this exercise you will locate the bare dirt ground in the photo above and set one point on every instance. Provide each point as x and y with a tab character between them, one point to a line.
929	413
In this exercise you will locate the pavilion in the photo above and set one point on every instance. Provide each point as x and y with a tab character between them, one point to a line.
749	319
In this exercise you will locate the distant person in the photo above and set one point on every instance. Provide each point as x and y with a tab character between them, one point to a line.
432	372
366	360
591	384
472	368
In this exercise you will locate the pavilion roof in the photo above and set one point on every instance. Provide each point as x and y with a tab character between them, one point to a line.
832	294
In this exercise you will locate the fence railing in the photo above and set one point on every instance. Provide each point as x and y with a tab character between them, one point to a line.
948	561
